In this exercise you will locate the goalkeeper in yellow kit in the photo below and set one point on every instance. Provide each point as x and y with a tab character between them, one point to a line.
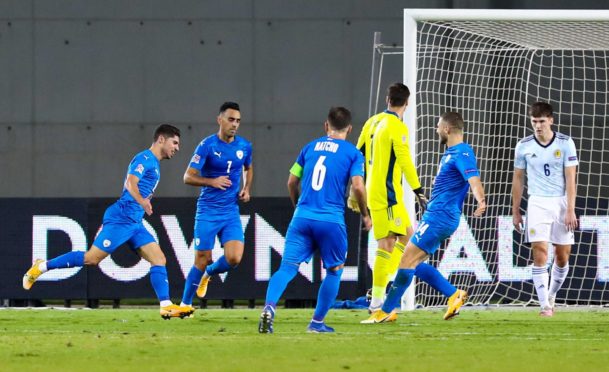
384	143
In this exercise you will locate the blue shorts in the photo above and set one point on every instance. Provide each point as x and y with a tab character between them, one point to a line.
432	230
119	228
228	228
304	236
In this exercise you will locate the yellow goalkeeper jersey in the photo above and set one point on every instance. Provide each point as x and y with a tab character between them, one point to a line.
384	142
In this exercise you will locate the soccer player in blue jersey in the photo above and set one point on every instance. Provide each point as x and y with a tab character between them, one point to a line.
549	160
457	171
317	184
216	166
122	223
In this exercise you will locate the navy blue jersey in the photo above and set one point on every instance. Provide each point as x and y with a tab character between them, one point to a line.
146	167
214	158
325	167
458	164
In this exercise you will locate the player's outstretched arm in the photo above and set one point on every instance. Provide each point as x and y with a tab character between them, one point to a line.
478	191
517	189
358	188
133	189
248	174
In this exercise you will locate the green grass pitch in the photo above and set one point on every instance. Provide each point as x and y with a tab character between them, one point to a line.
228	340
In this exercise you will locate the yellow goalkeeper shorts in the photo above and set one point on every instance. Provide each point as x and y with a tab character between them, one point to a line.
390	220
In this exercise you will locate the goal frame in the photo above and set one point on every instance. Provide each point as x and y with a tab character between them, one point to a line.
410	44
413	15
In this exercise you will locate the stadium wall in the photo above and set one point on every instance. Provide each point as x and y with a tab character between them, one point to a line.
84	83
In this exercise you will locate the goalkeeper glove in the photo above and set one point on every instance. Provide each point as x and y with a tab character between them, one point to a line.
352	202
421	198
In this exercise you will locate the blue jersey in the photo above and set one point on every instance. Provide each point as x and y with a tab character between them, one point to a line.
214	158
325	167
458	164
146	167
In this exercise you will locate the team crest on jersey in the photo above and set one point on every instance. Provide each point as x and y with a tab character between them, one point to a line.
557	154
239	154
404	139
140	168
532	232
398	221
196	158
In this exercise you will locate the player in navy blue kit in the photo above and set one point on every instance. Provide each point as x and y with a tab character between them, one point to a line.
123	223
457	171
216	166
317	186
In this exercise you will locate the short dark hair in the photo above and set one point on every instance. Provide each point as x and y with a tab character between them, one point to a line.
398	94
454	119
339	118
166	131
229	105
539	109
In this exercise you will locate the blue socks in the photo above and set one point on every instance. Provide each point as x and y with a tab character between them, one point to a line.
400	284
219	267
70	259
327	294
192	283
432	276
158	278
279	281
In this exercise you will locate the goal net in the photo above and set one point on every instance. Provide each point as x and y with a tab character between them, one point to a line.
489	66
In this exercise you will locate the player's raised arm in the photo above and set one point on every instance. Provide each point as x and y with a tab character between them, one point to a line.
517	189
478	191
131	186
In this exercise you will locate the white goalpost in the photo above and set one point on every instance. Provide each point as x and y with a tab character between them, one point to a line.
489	65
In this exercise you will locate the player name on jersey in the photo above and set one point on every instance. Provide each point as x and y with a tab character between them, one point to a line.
326	146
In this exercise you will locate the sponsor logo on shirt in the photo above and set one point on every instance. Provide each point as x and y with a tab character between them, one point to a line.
218	154
140	169
106	243
239	154
196	158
